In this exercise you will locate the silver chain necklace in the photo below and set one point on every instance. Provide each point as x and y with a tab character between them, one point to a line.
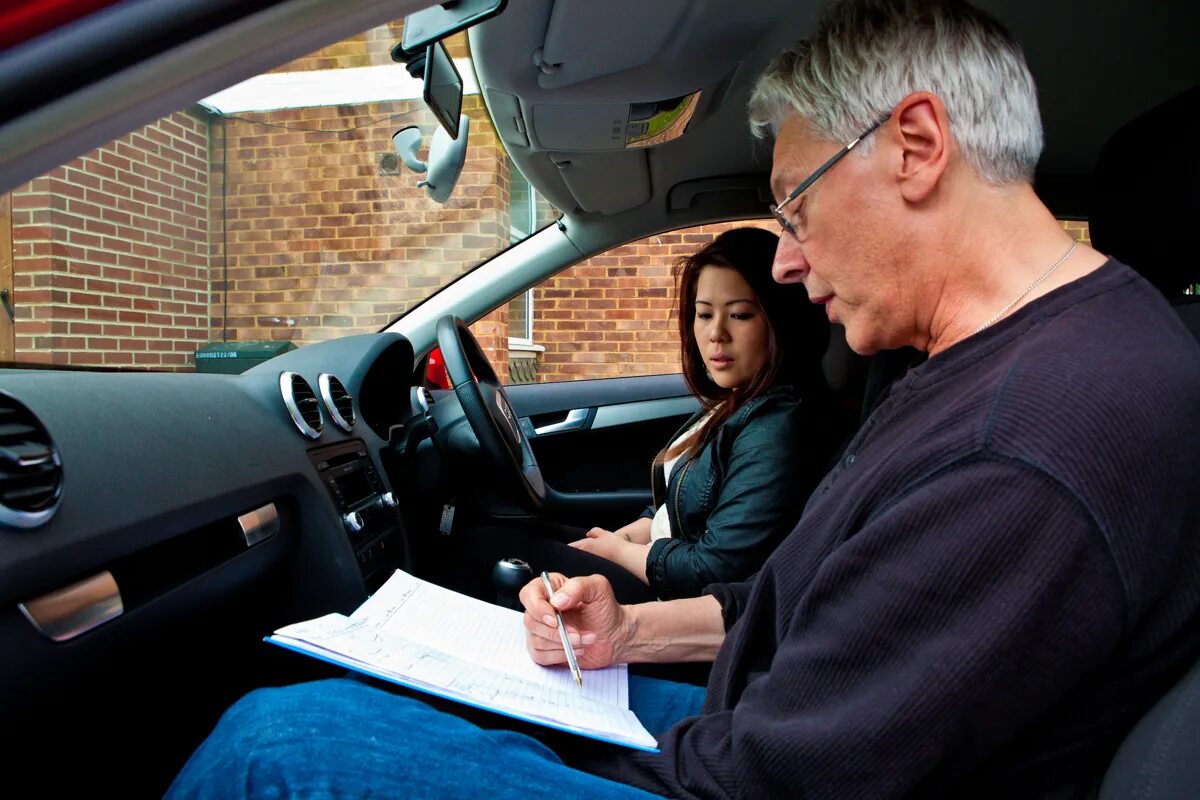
1029	288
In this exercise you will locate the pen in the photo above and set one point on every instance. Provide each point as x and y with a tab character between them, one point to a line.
562	632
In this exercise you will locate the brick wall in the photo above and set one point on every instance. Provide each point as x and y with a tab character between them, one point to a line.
109	252
317	243
1079	231
112	251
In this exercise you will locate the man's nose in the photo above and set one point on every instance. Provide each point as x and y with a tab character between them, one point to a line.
790	265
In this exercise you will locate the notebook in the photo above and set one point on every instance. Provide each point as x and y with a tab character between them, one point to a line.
422	636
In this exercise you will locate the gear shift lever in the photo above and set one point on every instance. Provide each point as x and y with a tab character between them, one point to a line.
508	576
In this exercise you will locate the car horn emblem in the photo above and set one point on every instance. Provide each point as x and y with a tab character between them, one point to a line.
507	412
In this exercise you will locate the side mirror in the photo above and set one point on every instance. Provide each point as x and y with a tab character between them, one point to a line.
435	371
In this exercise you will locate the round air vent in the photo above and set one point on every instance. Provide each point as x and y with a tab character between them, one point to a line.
338	401
301	403
422	398
31	475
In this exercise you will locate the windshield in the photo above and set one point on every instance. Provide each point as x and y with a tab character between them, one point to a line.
265	217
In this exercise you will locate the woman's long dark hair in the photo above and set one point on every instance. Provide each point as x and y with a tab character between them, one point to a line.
798	331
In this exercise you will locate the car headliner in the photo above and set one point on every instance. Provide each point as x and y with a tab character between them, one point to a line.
1097	65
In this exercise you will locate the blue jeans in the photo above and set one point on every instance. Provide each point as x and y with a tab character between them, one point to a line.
346	738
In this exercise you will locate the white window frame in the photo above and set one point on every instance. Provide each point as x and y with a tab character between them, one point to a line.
516	234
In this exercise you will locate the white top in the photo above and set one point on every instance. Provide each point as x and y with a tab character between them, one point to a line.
660	526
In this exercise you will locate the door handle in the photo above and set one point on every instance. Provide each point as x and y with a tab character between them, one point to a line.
574	421
5	298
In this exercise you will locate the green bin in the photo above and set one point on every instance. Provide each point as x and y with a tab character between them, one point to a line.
232	358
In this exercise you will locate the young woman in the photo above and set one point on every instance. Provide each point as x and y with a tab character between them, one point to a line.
732	483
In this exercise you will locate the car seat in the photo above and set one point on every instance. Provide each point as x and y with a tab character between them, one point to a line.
1147	196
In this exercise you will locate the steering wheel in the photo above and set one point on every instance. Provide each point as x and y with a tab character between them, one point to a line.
504	448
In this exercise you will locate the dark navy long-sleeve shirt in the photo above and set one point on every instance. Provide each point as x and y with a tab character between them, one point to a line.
1000	576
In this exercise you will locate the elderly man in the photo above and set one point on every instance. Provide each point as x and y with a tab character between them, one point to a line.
1000	575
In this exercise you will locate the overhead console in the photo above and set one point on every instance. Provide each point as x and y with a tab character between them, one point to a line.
579	115
617	126
562	85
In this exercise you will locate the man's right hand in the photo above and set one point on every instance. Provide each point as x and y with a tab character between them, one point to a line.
597	625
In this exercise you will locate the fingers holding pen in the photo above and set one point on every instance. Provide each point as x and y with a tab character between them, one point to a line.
595	622
537	604
540	610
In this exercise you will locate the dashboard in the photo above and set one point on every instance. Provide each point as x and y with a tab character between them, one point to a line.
186	516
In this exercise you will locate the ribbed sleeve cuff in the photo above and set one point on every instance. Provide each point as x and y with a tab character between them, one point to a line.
731	599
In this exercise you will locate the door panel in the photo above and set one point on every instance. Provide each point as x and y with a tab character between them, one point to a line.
598	439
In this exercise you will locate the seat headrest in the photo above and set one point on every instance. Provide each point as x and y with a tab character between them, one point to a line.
1146	197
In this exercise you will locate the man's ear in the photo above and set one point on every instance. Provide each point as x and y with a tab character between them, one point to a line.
923	133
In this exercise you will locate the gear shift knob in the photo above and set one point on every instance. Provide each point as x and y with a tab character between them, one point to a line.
508	576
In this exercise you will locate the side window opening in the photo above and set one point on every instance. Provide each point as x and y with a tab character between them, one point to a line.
612	315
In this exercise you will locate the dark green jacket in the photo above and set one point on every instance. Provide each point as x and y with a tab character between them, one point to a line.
737	499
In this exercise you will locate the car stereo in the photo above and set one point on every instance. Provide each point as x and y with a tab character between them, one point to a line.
367	509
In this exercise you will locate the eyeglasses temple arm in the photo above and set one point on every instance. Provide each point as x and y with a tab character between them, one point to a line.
825	167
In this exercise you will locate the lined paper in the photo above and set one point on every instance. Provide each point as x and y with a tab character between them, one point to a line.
432	639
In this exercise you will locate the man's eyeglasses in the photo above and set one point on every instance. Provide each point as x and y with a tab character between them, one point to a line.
777	210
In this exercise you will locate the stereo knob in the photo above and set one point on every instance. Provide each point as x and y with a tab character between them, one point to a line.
387	500
353	521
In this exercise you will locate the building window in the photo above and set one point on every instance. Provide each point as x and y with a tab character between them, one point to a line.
524	208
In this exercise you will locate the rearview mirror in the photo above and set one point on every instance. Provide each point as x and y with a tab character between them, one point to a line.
443	87
446	157
438	22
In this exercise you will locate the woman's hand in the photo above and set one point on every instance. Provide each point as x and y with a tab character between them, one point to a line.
637	531
597	625
617	549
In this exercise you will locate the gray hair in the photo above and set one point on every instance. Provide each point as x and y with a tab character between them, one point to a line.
867	55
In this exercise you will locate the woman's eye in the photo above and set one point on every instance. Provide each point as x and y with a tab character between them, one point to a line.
703	315
742	315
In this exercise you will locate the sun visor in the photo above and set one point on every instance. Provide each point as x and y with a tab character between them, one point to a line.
605	183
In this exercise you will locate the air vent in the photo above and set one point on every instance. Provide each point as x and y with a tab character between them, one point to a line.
301	403
338	401
30	469
422	398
